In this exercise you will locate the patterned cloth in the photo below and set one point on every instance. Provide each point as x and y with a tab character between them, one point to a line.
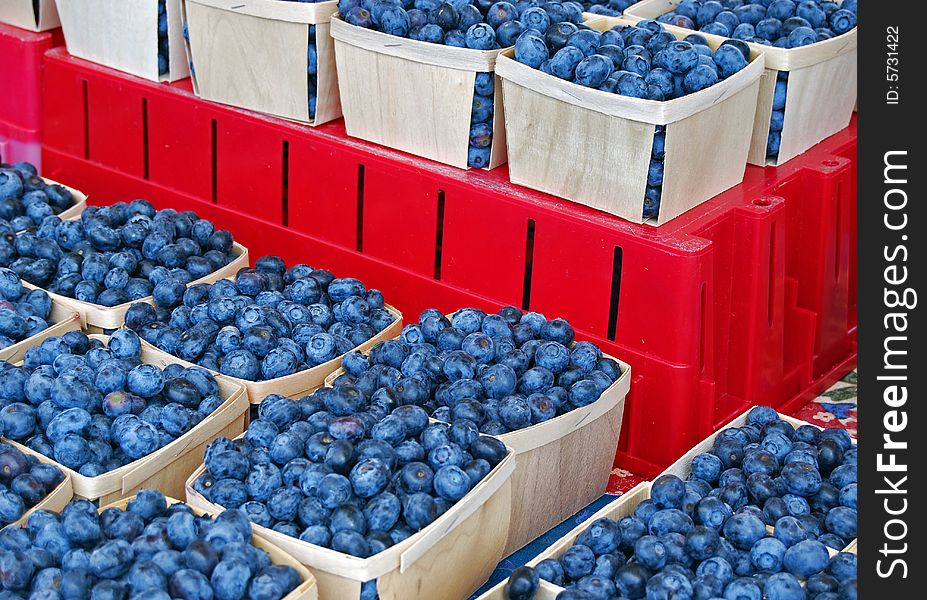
834	408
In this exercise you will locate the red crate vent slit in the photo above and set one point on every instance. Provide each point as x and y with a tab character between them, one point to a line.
748	298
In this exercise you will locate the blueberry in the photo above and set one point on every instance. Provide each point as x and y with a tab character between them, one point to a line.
767	554
729	60
530	49
603	536
801	478
522	584
842	21
451	482
774	141
806	558
841	521
744	530
369	477
699	78
419	510
848	496
743	588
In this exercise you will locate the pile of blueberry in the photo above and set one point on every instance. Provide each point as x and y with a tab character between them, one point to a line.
26	200
641	61
777	119
493	373
312	71
611	8
118	253
653	194
185	32
481	121
24	482
163	46
474	24
22	314
94	407
147	551
337	471
798	480
268	323
741	526
780	23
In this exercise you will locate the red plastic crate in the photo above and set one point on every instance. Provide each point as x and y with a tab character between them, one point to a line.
21	54
748	298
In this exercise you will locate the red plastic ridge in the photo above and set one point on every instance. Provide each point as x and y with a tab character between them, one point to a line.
21	55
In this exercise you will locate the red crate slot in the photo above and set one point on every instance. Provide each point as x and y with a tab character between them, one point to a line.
747	298
177	127
324	194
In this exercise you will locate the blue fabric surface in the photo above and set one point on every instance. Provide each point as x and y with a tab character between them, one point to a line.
520	557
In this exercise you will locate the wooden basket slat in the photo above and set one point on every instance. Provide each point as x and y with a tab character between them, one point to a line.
819	103
292	12
704	174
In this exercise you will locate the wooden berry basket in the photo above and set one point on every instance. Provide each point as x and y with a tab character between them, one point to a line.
450	558
822	86
413	96
562	464
307	590
293	385
565	463
123	35
96	317
623	506
55	501
166	468
63	319
22	14
682	467
253	54
595	147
